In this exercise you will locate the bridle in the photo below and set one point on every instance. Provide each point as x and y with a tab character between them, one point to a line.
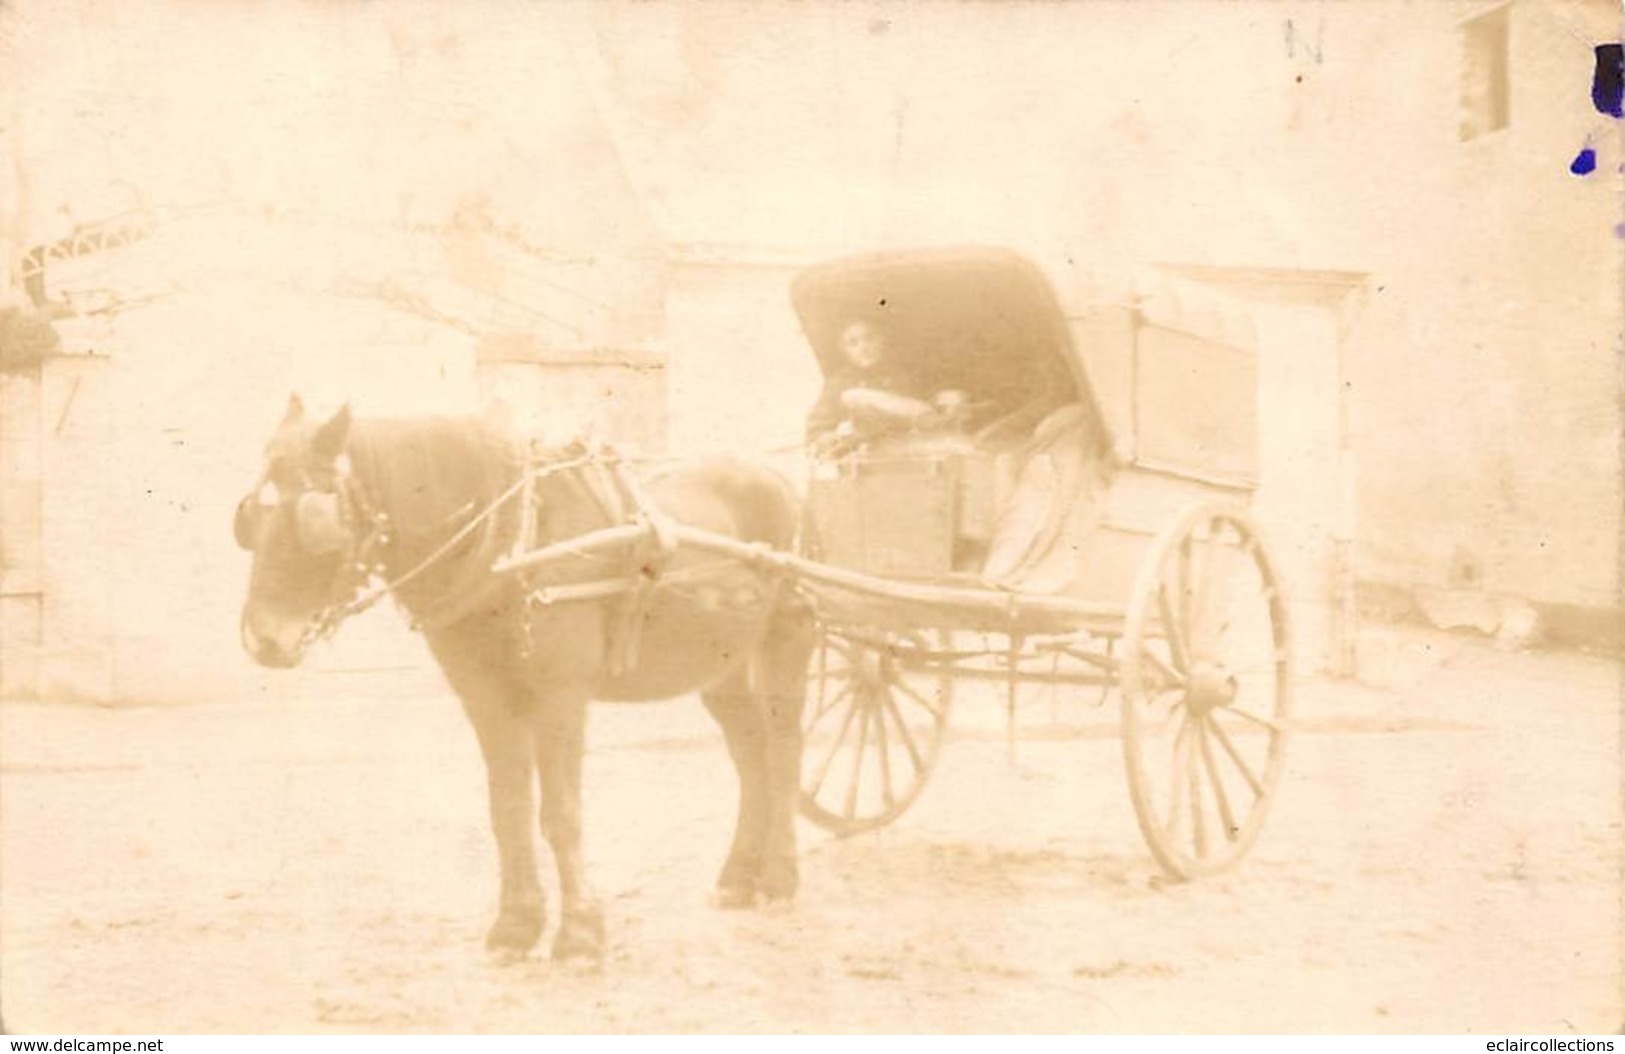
360	582
349	593
327	521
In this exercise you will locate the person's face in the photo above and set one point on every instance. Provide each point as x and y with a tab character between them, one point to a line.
863	345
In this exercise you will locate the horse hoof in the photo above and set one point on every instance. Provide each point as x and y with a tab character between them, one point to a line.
736	898
511	937
580	938
506	956
778	905
780	881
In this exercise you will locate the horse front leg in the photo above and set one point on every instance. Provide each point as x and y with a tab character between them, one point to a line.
510	769
493	702
781	691
559	734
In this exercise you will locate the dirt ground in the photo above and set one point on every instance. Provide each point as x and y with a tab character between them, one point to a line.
1446	856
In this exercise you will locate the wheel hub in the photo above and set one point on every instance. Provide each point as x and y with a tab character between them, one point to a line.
872	669
1210	686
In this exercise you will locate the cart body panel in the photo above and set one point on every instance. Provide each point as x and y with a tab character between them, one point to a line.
1167	388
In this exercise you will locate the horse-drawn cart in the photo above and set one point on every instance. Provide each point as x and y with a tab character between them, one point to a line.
1025	533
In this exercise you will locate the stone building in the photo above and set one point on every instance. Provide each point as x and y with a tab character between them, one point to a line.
594	211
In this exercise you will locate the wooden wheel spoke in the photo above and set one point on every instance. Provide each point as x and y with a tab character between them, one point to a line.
834	749
1170	677
829	704
1193	774
1198	618
1220	798
1172	630
908	690
1184	572
904	734
837	667
885	759
857	759
840	654
1214	589
1235	757
1154	701
1176	784
1257	719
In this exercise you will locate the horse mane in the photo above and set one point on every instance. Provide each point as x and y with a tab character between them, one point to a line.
431	476
421	471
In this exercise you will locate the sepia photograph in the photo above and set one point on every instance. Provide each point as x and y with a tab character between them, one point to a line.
873	517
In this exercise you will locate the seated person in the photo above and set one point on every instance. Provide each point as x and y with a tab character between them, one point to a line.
870	396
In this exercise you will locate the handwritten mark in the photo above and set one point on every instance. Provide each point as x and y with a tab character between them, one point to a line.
1293	39
1607	95
1608	82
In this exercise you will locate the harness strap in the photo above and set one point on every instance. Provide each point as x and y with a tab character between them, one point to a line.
447	608
648	562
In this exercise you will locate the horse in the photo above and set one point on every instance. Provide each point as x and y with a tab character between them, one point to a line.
351	509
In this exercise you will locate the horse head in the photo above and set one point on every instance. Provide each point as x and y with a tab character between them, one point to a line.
310	535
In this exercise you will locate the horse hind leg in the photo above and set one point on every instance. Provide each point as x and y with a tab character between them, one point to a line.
733	705
559	733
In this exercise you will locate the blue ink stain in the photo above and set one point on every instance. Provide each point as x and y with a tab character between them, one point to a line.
1585	162
1619	230
1608	82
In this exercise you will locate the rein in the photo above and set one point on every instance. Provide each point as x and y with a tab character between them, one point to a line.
330	619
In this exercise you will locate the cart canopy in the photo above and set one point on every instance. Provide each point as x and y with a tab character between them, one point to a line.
982	320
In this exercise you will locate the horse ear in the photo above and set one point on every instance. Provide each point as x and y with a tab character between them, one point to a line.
295	411
329	440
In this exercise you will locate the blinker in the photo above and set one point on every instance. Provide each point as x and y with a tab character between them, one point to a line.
245	522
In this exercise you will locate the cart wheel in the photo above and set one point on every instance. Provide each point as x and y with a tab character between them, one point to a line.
1206	690
877	708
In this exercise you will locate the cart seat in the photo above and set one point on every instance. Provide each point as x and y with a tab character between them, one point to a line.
1012	504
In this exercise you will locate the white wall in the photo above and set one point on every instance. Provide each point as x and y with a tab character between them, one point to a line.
153	429
742	377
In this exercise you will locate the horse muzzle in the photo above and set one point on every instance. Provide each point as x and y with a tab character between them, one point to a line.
274	641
